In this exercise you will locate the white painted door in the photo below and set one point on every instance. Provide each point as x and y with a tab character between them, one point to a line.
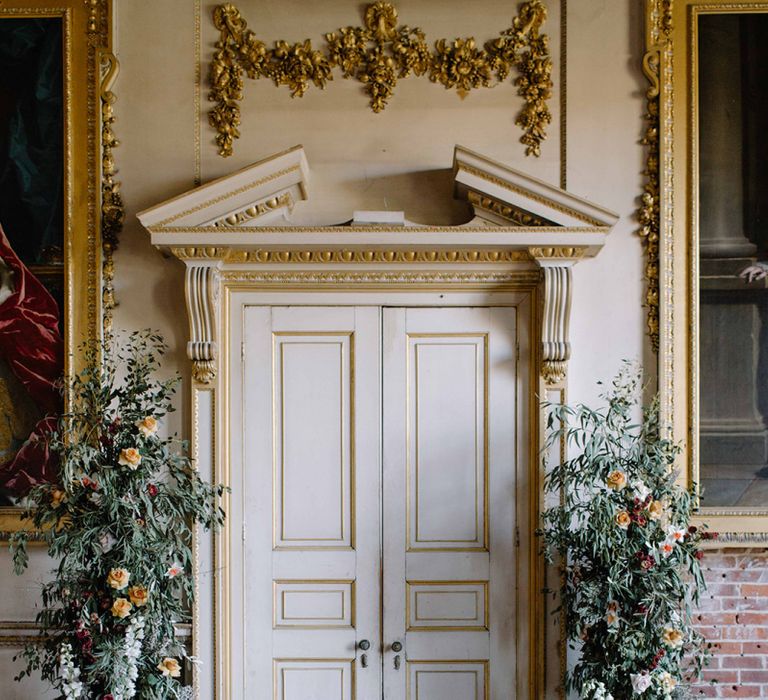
450	382
311	537
378	471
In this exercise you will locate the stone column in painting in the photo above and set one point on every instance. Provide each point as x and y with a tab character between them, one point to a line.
733	435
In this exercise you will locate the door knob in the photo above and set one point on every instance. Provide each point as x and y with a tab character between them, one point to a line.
365	645
397	647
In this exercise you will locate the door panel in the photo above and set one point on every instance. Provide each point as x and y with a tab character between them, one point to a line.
449	417
377	463
311	534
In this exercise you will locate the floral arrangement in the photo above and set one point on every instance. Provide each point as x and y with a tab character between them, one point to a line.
629	559
120	526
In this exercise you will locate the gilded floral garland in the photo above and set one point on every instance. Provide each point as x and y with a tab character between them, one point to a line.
378	55
649	213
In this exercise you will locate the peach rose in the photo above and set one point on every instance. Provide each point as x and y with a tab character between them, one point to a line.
118	579
169	667
622	519
139	595
58	497
147	426
130	458
121	608
616	480
656	510
672	637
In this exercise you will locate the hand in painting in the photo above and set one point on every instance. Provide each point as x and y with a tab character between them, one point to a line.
755	272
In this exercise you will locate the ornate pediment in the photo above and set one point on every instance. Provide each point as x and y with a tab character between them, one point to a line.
238	228
261	194
503	196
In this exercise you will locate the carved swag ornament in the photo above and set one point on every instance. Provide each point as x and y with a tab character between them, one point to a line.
379	54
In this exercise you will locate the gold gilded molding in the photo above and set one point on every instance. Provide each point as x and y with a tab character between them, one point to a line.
649	212
409	280
516	216
371	256
551	253
255	211
112	208
378	55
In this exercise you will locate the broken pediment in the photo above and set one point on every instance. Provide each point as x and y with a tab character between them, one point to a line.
503	196
250	210
261	194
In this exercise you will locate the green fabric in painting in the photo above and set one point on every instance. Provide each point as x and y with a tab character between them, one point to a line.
31	137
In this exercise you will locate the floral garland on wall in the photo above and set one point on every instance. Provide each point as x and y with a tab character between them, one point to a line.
629	560
120	526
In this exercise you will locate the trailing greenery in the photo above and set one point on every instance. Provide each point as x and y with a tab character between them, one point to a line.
120	526
628	557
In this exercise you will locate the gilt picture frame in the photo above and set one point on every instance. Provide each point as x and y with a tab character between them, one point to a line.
704	314
90	201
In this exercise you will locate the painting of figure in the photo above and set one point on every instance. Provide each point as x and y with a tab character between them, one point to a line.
31	249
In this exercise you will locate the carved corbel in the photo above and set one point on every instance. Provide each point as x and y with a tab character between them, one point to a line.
556	264
202	292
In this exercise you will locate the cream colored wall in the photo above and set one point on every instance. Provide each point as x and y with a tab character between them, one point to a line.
396	160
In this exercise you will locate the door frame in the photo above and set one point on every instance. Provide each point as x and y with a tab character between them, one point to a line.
215	604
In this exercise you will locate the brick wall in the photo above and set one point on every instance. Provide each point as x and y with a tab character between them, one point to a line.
733	616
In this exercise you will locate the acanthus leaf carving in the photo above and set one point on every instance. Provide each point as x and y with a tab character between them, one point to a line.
202	296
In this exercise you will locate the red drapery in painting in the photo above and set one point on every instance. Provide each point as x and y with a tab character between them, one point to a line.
32	346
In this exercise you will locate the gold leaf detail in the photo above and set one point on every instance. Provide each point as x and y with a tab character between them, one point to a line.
378	55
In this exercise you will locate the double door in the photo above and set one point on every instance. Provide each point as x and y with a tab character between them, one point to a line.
378	472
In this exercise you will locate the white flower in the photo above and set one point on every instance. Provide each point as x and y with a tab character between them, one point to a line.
174	570
667	681
95	498
641	682
106	541
676	534
641	490
595	690
666	547
71	685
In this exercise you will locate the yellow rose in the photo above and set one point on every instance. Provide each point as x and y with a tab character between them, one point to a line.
616	480
58	497
147	426
656	510
118	579
622	519
169	667
672	637
121	608
138	595
130	458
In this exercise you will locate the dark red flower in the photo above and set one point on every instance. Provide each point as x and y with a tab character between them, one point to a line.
82	634
699	555
114	426
152	490
87	645
693	529
108	696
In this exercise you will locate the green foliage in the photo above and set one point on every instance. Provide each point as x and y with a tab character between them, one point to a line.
628	558
128	502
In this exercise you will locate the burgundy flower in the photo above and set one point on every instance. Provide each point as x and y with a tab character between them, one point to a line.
87	646
82	634
114	426
108	696
152	490
699	555
641	521
693	529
